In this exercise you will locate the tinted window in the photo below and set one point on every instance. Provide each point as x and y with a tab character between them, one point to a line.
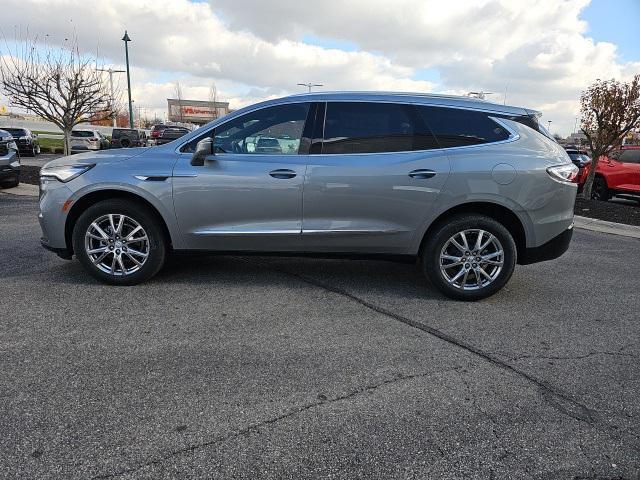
16	132
271	130
456	127
360	127
81	133
630	156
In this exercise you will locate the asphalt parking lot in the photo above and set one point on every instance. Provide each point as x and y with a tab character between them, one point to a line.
249	367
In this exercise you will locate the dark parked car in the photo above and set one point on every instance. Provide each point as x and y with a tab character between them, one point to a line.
161	134
128	137
9	161
26	140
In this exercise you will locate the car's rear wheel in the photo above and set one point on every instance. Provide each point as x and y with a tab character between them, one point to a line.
600	190
469	257
11	183
119	242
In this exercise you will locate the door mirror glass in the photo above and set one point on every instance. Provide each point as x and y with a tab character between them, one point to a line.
204	148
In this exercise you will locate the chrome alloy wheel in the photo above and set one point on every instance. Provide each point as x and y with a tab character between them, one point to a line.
117	244
471	259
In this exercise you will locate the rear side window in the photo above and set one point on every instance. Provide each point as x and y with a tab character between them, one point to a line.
455	127
630	156
361	127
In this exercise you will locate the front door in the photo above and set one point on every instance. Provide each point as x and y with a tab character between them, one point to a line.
248	195
377	175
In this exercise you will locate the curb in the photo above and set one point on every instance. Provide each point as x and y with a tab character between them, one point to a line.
23	190
603	226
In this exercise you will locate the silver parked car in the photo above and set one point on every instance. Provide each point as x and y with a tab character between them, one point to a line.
468	188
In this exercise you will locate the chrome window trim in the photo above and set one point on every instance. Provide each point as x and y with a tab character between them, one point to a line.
513	136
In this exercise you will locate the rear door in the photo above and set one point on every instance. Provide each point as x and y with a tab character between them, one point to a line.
374	173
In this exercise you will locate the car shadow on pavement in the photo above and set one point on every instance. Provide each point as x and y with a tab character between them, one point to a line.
400	280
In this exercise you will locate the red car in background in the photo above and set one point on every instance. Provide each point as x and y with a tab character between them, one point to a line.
618	173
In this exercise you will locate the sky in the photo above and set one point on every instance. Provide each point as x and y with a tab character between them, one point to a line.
537	54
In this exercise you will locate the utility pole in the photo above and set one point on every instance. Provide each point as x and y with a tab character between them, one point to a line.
126	39
309	85
111	71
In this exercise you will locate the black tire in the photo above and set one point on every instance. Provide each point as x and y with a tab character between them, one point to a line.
157	246
440	235
32	153
125	143
11	183
600	190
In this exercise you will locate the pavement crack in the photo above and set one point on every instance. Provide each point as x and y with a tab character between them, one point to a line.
558	399
253	428
565	357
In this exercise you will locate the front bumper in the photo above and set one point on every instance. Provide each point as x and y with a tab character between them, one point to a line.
52	216
554	248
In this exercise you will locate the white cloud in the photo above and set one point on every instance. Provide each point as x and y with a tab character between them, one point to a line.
537	50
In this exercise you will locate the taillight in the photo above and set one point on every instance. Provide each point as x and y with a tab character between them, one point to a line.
155	133
565	173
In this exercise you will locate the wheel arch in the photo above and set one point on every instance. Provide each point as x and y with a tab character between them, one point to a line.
91	198
498	212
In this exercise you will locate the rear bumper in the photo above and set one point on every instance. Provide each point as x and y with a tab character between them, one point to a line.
554	248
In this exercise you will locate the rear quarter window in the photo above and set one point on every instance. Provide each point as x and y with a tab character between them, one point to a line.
455	127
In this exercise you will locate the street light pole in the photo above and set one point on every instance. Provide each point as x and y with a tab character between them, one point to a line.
126	41
111	71
309	85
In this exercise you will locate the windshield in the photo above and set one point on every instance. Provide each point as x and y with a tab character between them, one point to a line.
82	133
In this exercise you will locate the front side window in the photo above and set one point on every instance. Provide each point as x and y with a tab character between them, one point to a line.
368	127
454	127
273	130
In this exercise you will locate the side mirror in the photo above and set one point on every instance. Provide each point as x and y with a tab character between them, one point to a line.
34	135
204	148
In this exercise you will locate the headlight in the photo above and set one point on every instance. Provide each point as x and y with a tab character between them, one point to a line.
65	173
566	173
12	145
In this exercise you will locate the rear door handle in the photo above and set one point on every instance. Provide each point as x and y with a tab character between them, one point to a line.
282	173
422	173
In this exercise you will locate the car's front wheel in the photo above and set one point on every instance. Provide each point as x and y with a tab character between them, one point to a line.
119	242
469	257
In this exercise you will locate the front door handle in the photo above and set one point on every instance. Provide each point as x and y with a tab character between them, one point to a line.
422	173
282	173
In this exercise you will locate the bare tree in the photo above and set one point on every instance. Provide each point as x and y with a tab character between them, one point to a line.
178	94
57	84
213	98
609	109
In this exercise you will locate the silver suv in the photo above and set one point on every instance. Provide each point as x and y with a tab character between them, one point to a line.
466	187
